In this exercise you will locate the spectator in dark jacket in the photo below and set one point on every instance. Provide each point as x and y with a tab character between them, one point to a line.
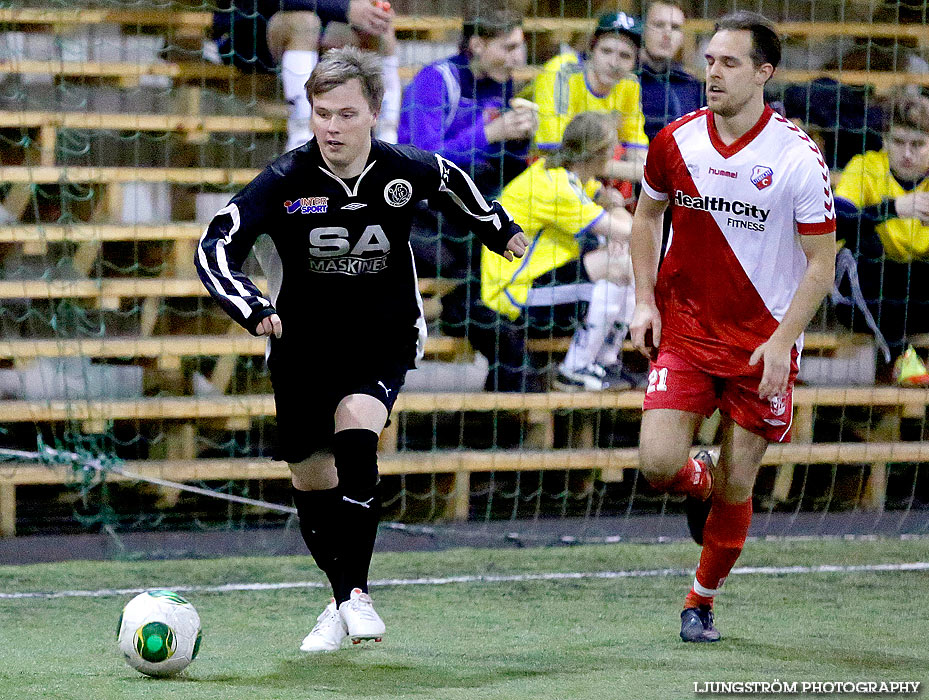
668	91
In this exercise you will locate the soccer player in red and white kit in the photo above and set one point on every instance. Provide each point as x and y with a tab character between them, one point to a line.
750	257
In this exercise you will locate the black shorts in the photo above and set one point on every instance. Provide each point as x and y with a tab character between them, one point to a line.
558	319
241	34
308	390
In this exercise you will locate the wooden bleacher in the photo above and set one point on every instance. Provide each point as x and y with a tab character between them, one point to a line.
188	24
183	413
198	23
180	417
22	350
130	74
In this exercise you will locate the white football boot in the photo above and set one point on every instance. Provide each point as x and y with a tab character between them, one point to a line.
360	619
328	633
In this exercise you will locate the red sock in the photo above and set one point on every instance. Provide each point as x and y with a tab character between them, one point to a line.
723	538
693	480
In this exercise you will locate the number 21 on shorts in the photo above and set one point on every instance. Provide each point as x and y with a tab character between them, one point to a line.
657	380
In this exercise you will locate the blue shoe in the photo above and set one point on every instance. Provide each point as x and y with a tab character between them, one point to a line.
697	625
698	509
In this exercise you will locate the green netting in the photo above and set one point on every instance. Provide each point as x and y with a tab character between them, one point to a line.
120	138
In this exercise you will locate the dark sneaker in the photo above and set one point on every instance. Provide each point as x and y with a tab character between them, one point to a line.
697	625
698	509
593	377
637	380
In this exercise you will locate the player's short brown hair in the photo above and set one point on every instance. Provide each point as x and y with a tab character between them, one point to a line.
766	44
487	23
338	66
588	136
906	109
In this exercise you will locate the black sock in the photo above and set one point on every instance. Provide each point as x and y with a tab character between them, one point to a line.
360	533
319	513
355	453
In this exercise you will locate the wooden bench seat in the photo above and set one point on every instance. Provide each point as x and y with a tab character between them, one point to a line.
476	461
98	233
460	464
168	347
199	23
240	343
259	405
188	123
181	414
50	175
134	287
129	74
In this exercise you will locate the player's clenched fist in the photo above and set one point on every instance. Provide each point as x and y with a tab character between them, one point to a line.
268	325
516	247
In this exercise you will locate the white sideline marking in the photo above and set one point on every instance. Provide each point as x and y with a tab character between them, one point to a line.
508	578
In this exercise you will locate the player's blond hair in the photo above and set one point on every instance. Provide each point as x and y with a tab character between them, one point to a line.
338	66
590	135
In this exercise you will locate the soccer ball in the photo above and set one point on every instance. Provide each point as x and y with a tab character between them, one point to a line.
159	633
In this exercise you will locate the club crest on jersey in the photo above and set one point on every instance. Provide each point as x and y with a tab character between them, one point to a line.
307	205
778	405
398	192
762	176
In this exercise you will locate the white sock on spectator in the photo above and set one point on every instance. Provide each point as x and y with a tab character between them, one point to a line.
613	344
389	118
296	67
606	305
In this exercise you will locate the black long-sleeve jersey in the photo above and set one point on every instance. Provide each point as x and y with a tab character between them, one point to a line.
340	267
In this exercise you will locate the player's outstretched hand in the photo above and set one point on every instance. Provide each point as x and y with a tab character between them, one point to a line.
645	330
269	324
516	246
776	370
370	17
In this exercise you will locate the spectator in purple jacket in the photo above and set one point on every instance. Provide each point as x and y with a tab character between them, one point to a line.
463	108
460	106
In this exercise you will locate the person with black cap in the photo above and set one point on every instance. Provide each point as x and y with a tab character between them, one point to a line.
600	81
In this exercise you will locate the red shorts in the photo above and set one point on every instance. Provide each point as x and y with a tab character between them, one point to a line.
676	384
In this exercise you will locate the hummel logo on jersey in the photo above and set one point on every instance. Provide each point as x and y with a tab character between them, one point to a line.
363	504
384	387
724	173
352	206
707	203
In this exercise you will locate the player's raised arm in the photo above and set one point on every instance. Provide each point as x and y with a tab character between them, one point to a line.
459	198
219	257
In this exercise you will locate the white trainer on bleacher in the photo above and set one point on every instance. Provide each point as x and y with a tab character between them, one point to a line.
328	634
360	618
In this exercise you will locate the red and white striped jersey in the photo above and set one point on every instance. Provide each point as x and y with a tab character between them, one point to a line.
734	261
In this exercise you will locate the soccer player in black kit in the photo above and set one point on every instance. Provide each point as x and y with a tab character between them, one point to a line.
344	313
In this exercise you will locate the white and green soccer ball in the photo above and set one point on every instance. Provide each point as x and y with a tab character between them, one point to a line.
159	633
